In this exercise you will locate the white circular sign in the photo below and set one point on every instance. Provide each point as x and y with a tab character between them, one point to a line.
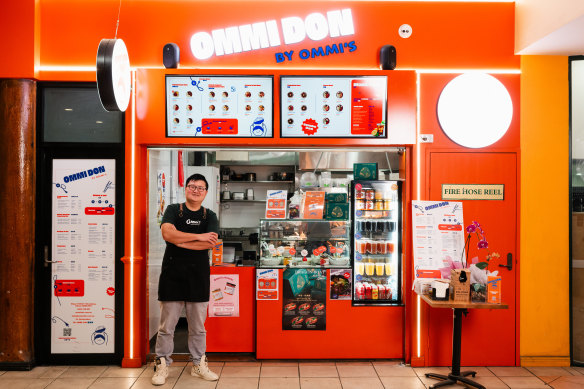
475	110
113	74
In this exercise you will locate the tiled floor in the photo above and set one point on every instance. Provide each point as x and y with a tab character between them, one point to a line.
287	374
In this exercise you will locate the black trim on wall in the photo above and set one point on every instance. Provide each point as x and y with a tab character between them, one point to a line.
46	152
571	192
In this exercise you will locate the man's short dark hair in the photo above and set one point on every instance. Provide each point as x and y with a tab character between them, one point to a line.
197	177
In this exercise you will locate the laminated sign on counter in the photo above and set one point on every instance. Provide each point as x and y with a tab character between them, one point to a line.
276	204
224	300
304	299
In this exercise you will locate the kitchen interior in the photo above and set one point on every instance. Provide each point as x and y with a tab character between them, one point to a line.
238	184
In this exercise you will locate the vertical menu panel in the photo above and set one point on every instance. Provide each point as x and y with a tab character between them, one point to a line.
83	255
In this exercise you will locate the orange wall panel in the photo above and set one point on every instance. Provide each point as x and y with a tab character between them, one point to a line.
545	210
151	106
445	35
17	24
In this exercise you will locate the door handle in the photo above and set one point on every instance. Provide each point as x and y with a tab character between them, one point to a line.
47	257
509	264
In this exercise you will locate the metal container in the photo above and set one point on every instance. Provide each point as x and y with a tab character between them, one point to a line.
249	193
238	196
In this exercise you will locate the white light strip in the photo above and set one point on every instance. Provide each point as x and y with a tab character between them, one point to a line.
488	71
418	182
65	68
132	195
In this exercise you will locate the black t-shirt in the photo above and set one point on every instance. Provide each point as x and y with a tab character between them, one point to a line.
185	274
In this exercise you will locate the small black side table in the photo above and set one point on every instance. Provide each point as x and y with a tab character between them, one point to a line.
458	308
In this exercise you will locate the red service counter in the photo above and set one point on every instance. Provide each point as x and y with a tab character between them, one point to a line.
235	334
351	331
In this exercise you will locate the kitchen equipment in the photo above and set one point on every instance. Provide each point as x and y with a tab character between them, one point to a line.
225	172
238	196
308	180
275	231
228	254
283	176
249	193
226	195
237	177
250	177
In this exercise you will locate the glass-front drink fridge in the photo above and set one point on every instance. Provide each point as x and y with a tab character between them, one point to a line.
376	208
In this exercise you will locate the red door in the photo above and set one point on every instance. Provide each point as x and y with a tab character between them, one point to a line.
488	336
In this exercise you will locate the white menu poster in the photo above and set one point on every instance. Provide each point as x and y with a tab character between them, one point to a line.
224	300
438	236
214	106
83	255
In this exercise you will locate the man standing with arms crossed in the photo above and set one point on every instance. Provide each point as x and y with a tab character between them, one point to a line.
189	230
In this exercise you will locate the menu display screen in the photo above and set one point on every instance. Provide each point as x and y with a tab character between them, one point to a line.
213	106
335	106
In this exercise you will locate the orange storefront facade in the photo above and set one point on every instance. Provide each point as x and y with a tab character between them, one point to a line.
57	41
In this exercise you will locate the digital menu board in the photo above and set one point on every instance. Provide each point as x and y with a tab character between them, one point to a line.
335	106
219	106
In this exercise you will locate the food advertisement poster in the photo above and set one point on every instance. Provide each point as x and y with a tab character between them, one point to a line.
304	299
438	236
161	195
341	284
83	255
267	284
276	204
224	298
313	205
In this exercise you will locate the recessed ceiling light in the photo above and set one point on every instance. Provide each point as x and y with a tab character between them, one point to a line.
68	109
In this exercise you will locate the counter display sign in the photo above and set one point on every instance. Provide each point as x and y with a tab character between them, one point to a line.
224	300
335	106
212	106
267	281
438	236
304	299
276	204
83	254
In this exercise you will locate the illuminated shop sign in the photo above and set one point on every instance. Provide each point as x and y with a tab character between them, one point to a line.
290	30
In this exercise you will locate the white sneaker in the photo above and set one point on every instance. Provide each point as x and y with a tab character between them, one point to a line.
160	372
202	370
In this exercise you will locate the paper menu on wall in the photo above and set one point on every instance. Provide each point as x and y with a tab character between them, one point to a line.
313	205
438	235
276	204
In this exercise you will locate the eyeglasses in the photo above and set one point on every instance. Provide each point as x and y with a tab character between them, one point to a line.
194	188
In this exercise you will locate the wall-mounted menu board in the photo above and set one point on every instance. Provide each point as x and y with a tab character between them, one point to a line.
219	106
335	106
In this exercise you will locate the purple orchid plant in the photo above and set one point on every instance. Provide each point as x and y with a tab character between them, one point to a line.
475	228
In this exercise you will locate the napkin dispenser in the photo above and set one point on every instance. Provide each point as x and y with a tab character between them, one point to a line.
440	290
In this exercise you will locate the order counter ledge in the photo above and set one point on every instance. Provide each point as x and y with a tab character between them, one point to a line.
221	329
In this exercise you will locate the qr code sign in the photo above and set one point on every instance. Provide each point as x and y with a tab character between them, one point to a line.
67	331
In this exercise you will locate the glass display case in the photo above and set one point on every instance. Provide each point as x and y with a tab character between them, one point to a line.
376	219
305	243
